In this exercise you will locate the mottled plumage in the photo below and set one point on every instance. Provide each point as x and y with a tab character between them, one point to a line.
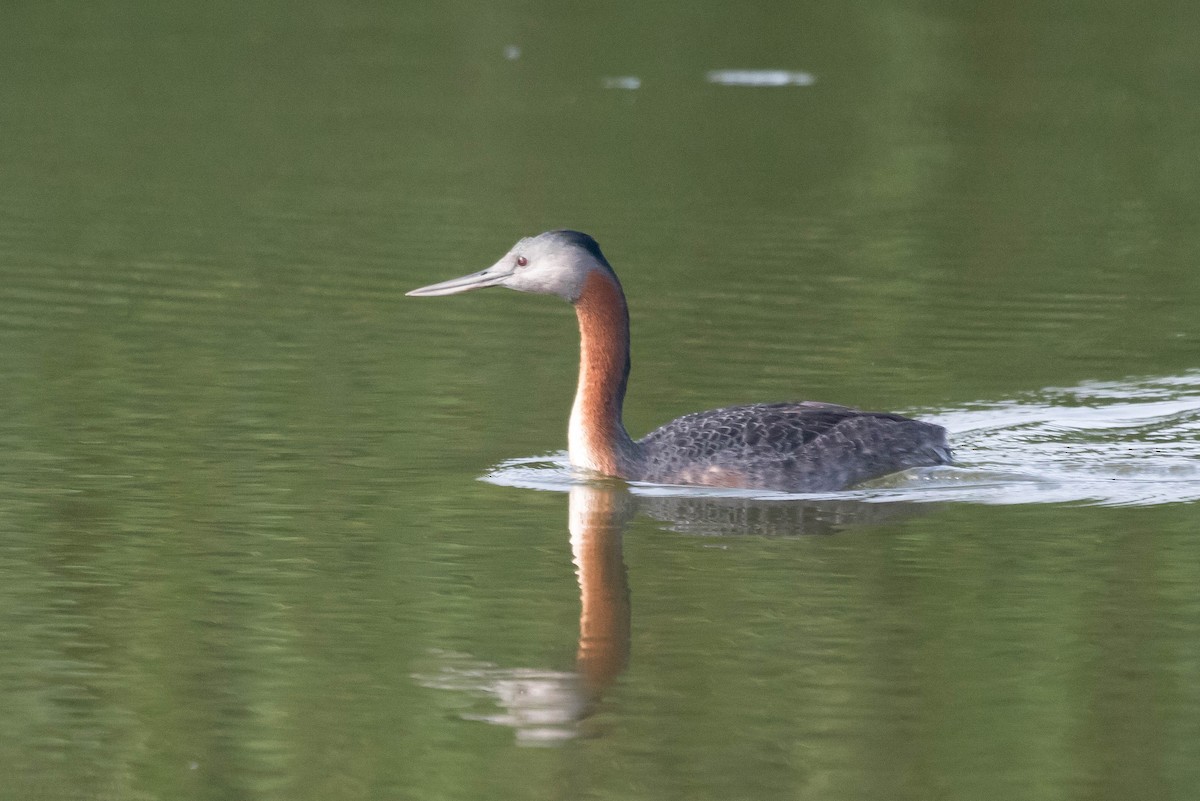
796	447
799	447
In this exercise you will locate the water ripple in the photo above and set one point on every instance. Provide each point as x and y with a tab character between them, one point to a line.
1120	443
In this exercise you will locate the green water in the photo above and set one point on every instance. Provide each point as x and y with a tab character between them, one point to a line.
244	550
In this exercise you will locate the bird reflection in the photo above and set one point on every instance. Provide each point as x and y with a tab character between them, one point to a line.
547	706
731	516
597	519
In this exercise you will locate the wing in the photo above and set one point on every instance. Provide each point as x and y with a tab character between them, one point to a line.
805	446
761	428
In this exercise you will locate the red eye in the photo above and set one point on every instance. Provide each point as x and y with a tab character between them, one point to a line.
522	261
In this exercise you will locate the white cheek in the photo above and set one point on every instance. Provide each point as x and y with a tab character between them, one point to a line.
545	282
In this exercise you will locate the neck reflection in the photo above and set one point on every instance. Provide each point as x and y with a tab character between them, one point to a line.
597	521
546	706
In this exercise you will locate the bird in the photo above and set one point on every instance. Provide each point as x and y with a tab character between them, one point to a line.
799	446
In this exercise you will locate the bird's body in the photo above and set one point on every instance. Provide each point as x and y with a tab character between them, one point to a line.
798	447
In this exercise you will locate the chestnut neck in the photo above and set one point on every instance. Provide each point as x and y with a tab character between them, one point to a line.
597	437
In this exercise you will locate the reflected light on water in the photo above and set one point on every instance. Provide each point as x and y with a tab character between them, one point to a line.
622	82
761	78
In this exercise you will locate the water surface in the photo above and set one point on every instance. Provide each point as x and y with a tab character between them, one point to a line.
270	530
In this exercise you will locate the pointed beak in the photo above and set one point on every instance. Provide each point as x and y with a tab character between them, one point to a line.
492	276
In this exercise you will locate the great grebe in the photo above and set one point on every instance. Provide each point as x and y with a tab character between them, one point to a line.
796	447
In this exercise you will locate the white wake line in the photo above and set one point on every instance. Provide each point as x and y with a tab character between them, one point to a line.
1010	414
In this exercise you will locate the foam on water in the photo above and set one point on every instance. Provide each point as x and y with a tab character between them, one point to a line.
1134	442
